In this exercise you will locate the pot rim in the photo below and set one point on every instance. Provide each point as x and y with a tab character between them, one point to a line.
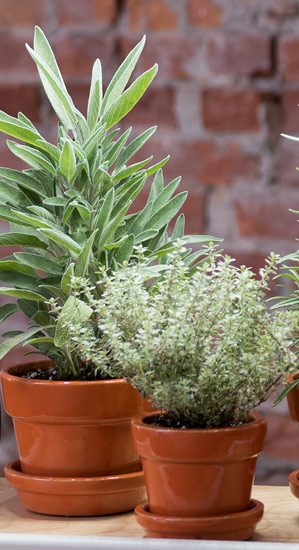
7	375
256	420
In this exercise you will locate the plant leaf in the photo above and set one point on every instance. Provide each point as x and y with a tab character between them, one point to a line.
66	280
55	90
8	345
133	147
43	263
167	212
95	95
85	256
21	239
129	98
67	160
22	180
62	239
122	75
22	293
73	311
31	156
15	128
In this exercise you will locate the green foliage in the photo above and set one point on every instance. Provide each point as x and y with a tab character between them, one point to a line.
69	211
205	348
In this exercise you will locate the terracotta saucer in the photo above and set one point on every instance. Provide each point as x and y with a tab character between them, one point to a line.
294	483
238	526
79	496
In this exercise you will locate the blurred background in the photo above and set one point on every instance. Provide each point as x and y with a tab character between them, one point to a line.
227	86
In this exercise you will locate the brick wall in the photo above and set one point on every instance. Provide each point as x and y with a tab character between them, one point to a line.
228	84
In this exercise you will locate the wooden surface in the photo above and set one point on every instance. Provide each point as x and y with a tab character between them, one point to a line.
280	522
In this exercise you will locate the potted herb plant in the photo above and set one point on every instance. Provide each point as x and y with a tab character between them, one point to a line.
207	352
69	214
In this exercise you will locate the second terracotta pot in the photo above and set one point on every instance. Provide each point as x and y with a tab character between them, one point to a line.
72	429
293	397
196	472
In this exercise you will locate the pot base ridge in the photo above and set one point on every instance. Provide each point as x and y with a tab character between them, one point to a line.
236	526
81	496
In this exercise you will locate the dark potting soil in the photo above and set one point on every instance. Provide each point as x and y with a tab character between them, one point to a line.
163	421
52	373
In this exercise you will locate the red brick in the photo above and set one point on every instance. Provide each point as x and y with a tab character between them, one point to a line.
288	162
84	12
136	10
24	98
161	16
288	58
240	54
173	54
155	107
22	13
266	218
204	13
201	162
77	51
15	58
230	110
290	111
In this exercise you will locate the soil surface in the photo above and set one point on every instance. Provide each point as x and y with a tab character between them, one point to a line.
52	373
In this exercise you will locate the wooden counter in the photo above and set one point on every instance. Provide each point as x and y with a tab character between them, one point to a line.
280	522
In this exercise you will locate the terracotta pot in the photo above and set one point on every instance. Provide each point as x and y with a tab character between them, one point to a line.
293	397
72	429
192	473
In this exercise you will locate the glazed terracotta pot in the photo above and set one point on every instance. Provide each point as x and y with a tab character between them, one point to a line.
72	429
199	472
293	397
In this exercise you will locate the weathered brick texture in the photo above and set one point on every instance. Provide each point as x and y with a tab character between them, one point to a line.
227	86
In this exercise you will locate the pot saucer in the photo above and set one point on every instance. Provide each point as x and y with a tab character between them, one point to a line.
79	496
237	526
294	483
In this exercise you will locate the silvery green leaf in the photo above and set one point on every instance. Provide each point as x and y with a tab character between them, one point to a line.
62	239
124	252
129	195
167	212
95	95
165	195
43	263
139	222
10	264
35	220
105	211
31	156
133	147
73	311
22	293
8	345
109	231
129	98
22	180
21	239
117	147
153	169
67	279
132	169
85	256
17	129
157	186
55	90
67	160
179	228
13	195
145	235
122	75
49	148
94	139
56	201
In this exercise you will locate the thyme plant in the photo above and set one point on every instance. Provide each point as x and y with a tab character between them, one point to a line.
69	211
205	349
